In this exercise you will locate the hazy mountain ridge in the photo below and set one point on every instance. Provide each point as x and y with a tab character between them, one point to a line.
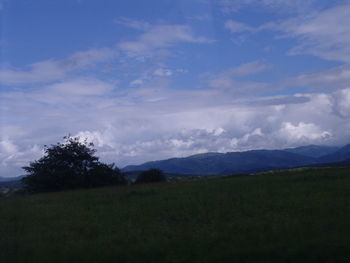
315	151
340	155
9	179
242	162
248	161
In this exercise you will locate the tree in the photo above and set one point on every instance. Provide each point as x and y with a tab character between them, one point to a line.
69	165
151	176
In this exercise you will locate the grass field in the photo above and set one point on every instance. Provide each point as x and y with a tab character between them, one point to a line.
291	216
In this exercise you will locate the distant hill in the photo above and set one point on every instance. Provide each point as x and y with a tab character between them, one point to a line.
228	163
11	182
249	161
4	179
8	179
315	151
340	155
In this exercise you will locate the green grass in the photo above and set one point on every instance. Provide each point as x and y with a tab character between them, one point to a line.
287	216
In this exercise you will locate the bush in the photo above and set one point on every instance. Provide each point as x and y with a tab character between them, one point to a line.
151	176
69	165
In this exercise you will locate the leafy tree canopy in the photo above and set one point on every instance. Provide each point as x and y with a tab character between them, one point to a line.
69	165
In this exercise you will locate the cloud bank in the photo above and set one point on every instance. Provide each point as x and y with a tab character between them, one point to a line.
145	98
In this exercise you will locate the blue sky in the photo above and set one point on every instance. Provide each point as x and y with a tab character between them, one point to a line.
147	80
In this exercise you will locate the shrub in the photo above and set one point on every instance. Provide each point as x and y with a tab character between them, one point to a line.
151	176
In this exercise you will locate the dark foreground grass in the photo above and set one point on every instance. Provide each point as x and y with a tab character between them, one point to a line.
299	216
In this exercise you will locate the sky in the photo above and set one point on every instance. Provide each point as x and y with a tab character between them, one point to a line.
150	80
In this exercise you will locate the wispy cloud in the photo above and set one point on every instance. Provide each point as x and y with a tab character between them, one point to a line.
282	6
200	17
51	70
230	80
237	27
327	80
133	23
158	37
325	34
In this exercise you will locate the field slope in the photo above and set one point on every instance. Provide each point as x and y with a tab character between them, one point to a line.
291	216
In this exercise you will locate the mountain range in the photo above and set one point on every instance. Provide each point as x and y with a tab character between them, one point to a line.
213	163
7	179
250	161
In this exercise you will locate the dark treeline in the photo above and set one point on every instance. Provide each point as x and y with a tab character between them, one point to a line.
73	165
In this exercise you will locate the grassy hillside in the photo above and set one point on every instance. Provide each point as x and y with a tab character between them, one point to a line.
291	216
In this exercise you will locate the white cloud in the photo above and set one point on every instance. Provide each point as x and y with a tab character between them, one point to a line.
136	82
342	102
201	17
154	121
7	147
145	116
153	74
249	68
230	79
85	92
157	37
325	33
52	70
237	27
331	79
97	138
79	87
132	23
245	69
163	72
12	157
149	131
302	133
